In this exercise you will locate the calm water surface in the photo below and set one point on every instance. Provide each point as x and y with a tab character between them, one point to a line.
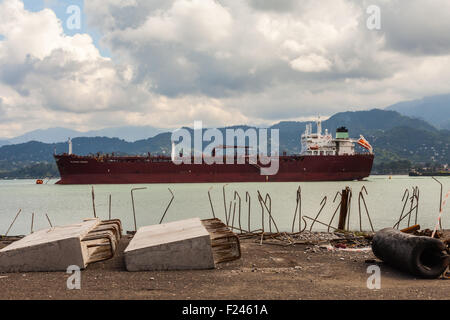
70	204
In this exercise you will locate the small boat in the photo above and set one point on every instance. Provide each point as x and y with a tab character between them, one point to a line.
39	181
415	173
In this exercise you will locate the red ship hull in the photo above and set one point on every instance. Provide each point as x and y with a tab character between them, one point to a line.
130	170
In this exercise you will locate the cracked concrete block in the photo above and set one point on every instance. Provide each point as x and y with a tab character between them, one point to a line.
179	245
51	249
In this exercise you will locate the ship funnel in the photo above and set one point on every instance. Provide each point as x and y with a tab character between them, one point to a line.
342	133
70	146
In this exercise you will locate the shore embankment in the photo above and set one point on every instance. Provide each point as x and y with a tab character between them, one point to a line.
265	271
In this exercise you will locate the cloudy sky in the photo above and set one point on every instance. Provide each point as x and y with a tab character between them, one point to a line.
167	63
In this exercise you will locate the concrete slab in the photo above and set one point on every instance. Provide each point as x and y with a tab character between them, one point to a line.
179	245
48	250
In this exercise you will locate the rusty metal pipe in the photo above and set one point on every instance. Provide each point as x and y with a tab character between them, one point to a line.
132	201
49	222
168	206
322	203
210	202
6	234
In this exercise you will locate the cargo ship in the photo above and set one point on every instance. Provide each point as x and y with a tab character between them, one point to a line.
322	158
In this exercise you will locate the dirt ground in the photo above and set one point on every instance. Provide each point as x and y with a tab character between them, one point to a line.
264	272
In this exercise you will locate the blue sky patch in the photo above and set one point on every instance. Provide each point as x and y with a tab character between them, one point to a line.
60	7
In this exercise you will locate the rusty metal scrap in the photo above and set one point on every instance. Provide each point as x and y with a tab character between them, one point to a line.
440	199
361	197
298	208
12	223
103	240
411	229
168	206
225	244
414	206
322	203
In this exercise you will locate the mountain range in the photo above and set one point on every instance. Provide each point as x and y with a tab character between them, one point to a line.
405	133
58	134
433	109
394	137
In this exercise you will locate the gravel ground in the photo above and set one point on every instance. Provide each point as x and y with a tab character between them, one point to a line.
268	271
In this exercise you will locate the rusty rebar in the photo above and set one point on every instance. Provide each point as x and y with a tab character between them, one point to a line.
405	201
229	213
404	217
322	203
109	211
236	194
49	222
20	210
248	199
268	211
350	195
335	211
167	208
93	201
262	214
361	197
32	222
298	208
319	222
132	201
225	202
234	213
210	202
440	201
417	207
411	207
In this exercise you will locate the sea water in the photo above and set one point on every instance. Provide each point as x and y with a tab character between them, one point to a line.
67	204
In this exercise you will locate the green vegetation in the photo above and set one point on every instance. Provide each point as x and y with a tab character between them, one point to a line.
400	143
36	171
392	167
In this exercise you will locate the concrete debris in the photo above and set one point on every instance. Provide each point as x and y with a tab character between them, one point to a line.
226	245
181	245
57	248
10	239
178	245
316	236
345	249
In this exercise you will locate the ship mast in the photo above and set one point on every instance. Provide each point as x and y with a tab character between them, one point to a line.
319	127
70	146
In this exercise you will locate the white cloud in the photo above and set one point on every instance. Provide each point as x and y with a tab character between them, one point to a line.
311	63
221	61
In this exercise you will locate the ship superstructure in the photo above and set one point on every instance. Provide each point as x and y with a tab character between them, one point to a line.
318	144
